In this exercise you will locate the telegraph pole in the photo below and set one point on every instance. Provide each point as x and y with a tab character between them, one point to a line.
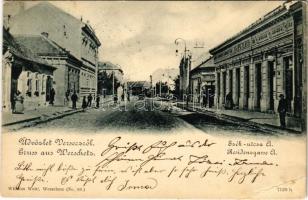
112	83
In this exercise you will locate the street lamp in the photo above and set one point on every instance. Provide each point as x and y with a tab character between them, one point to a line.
185	47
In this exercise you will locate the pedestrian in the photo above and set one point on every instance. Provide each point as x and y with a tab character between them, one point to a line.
229	101
18	100
52	96
90	100
204	99
67	96
14	98
122	97
128	97
74	99
84	103
97	101
211	98
282	110
115	99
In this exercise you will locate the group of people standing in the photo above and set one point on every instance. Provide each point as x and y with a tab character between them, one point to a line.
86	101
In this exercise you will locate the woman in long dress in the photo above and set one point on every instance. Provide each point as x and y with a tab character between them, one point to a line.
19	103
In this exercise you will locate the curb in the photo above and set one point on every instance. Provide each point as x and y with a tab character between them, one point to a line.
21	121
42	119
261	126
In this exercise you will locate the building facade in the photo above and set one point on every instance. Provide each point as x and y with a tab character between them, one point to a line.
266	59
138	87
72	34
202	81
67	73
26	73
110	79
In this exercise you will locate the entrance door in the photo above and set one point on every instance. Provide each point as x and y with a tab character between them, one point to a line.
218	87
224	86
246	87
289	81
231	82
271	76
258	86
48	87
238	82
15	73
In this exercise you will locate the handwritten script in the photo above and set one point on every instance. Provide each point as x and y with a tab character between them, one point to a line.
126	165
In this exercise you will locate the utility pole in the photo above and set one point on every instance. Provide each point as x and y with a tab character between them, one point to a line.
112	83
160	88
151	86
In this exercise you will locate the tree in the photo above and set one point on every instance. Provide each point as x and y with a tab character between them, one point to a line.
105	81
177	86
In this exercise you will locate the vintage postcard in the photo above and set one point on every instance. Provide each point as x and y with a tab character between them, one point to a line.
154	99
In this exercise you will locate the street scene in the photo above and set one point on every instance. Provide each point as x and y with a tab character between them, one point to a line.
167	67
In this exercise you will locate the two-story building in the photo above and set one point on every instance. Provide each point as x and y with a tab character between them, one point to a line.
73	35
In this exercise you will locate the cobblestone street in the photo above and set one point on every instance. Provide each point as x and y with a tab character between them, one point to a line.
143	116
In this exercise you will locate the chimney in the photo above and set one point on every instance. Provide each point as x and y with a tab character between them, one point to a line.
45	34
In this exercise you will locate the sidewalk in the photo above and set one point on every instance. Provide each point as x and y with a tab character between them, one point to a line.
264	119
30	115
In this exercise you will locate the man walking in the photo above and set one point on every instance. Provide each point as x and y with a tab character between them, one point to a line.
52	96
74	99
97	101
204	98
90	100
282	110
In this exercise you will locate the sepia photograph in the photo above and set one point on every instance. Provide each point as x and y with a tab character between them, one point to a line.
136	99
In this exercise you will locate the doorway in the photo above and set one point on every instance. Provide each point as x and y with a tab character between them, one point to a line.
238	86
223	86
258	82
288	81
48	87
218	87
246	87
271	76
231	82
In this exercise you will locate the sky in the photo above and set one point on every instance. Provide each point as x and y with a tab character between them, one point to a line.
140	36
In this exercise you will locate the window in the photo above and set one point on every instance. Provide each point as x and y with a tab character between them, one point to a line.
43	83
29	84
37	83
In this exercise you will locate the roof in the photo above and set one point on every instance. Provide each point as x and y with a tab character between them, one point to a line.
90	31
48	9
57	16
207	64
106	65
280	10
144	84
40	45
21	51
